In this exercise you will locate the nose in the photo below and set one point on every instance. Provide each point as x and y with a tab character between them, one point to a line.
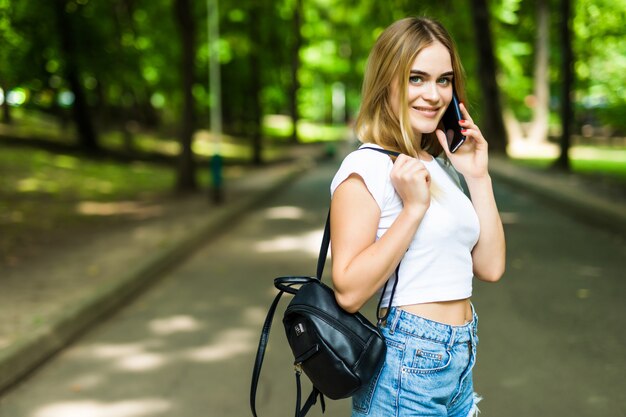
431	92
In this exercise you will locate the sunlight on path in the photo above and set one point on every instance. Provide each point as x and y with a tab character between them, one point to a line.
130	408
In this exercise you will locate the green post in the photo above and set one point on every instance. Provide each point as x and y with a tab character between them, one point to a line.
216	100
216	177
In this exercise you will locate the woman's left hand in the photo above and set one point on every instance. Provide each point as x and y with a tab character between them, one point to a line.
471	157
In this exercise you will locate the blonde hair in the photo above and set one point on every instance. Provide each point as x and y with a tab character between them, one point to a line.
390	62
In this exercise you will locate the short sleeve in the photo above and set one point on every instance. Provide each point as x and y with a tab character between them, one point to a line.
373	167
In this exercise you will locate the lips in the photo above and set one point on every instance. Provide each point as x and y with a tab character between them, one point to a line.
426	111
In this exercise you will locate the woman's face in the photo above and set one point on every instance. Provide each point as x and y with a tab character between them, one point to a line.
429	88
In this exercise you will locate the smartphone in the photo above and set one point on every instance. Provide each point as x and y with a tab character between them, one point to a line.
450	121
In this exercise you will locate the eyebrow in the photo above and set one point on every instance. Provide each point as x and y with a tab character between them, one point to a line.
418	72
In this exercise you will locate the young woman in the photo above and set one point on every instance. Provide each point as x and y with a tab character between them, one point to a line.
410	211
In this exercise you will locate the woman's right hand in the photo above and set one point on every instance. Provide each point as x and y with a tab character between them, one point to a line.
411	180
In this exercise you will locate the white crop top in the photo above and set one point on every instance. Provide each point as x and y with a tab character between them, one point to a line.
438	263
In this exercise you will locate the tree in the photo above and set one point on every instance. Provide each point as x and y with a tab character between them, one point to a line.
295	66
87	136
541	104
256	79
186	179
8	40
493	124
567	75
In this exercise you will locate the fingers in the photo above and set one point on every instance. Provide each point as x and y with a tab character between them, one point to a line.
465	113
409	169
473	132
468	128
407	161
411	180
467	124
443	141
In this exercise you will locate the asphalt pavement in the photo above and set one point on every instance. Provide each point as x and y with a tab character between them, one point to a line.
551	332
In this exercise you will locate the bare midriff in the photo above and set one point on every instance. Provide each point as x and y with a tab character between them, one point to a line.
454	313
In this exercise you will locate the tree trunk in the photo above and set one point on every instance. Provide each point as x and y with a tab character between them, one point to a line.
567	76
186	175
87	136
492	123
295	66
6	110
6	113
541	106
256	36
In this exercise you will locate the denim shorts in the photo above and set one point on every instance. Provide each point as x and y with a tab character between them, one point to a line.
427	370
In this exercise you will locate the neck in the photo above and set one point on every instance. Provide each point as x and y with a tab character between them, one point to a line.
424	156
421	154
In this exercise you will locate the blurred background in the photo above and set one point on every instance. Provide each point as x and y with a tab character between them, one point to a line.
104	102
120	112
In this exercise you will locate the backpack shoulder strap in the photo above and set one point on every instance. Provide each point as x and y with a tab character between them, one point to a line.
381	150
260	354
284	284
445	164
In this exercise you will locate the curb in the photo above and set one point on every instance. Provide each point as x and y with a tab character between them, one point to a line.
586	207
25	355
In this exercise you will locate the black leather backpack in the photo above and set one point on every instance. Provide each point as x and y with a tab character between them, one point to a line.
339	351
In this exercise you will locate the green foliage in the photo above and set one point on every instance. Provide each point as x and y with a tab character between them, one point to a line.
599	49
612	116
128	54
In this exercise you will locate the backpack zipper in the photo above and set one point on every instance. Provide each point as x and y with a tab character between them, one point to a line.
332	321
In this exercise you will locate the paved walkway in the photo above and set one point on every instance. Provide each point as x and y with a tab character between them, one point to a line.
185	348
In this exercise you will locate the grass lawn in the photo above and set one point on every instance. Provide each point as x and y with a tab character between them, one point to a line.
596	161
47	196
43	195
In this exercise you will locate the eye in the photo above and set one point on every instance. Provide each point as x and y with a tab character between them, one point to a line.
415	79
444	81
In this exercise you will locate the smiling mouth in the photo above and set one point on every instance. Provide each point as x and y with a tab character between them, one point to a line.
427	111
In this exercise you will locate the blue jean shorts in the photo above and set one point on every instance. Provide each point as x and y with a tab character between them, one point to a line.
427	370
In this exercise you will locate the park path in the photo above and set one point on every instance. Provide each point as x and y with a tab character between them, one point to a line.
551	332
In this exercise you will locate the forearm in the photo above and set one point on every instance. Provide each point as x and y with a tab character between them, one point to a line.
358	281
490	252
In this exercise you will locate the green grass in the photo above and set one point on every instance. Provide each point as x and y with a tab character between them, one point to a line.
37	172
43	195
280	127
589	160
47	196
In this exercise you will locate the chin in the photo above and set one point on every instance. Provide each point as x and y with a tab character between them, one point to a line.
425	127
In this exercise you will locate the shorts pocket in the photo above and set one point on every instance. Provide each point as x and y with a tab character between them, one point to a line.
429	357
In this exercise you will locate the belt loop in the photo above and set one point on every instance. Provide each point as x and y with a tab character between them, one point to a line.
474	328
474	317
394	322
473	340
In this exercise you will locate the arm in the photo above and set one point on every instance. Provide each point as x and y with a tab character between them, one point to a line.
471	160
488	256
362	264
